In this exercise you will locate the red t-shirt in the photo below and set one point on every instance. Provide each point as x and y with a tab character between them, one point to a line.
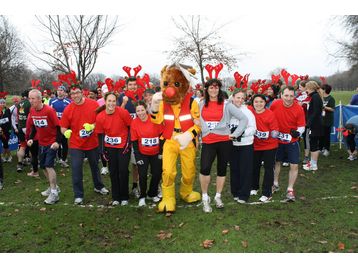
114	127
73	117
212	116
288	118
45	122
147	134
265	123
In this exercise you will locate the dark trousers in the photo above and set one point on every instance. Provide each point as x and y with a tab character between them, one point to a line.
104	162
268	156
325	140
351	143
77	157
156	170
119	173
63	149
1	172
34	150
241	171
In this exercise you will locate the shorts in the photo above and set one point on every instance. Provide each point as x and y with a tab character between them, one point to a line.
314	143
289	152
47	157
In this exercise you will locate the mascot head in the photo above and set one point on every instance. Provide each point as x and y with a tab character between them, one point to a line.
175	82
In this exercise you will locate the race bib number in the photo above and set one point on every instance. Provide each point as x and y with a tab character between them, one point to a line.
133	115
150	141
4	121
85	134
59	115
285	137
40	122
112	140
262	135
212	124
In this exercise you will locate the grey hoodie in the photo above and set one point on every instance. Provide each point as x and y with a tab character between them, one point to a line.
223	127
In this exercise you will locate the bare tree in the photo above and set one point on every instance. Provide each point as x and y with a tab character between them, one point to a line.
200	45
11	53
75	42
348	50
92	80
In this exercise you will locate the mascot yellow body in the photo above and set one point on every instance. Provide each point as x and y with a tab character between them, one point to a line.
175	109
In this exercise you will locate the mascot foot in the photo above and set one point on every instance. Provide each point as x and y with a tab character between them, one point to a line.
168	202
187	193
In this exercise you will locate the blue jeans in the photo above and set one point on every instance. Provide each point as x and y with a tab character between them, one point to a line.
77	157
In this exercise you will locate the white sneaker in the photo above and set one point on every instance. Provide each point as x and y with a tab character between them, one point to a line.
218	202
47	192
236	198
206	206
115	203
325	152
160	195
240	201
52	199
352	157
136	192
63	163
78	201
310	167
124	203
104	170
253	192
285	164
265	199
155	199
103	191
9	159
141	202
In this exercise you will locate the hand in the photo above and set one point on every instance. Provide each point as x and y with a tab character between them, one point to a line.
54	146
88	127
30	142
274	134
233	138
156	99
125	100
294	133
67	133
183	139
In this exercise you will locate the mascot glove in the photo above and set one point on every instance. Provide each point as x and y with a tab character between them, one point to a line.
157	97
88	127
67	133
183	139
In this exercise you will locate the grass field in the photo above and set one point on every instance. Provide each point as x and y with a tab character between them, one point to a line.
323	219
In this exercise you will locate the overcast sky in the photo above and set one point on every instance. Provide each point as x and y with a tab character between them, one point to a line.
272	39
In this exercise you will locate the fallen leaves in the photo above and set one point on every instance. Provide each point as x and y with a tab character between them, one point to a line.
237	228
225	232
181	225
245	243
208	243
322	242
341	246
162	235
81	225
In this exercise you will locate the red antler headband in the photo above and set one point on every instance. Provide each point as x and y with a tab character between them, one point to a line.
35	83
128	70
323	80
275	78
285	76
209	68
294	78
238	78
245	81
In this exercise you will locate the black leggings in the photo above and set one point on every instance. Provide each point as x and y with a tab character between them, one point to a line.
62	151
268	156
34	150
209	152
119	173
351	143
156	170
325	140
241	171
5	137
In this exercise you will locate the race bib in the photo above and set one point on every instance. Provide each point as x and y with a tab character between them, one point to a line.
262	135
40	122
133	115
150	141
59	115
4	120
285	137
212	124
85	134
112	140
